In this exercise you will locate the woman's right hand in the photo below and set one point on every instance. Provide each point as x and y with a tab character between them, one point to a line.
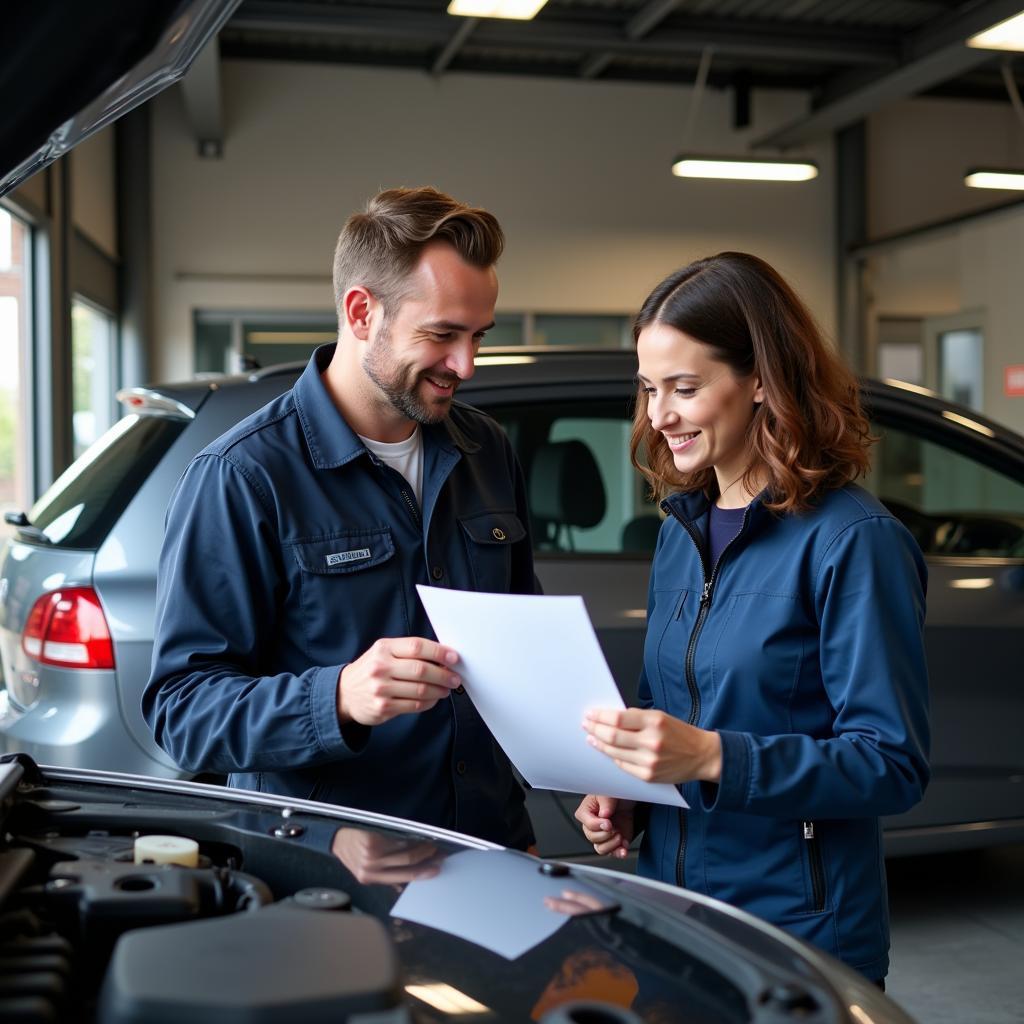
607	823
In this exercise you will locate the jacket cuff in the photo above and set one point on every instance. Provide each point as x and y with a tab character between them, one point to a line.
730	792
323	702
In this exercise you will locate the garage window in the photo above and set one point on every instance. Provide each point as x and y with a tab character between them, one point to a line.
15	325
93	372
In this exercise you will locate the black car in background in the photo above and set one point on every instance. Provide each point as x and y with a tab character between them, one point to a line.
77	581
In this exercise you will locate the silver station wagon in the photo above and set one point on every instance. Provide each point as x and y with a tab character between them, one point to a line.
77	584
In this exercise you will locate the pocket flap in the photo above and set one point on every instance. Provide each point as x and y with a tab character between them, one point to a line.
345	552
494	528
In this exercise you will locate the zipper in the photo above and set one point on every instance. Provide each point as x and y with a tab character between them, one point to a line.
817	867
691	651
407	498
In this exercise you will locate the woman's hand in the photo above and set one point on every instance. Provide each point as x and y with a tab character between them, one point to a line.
607	823
654	746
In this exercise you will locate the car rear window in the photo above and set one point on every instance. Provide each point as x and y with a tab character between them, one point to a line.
86	500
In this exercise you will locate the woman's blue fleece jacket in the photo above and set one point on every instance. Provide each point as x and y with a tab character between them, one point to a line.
803	648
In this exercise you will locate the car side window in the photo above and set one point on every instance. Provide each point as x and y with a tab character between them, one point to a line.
585	496
952	504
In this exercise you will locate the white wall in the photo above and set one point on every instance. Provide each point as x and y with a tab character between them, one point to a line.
577	172
976	266
919	151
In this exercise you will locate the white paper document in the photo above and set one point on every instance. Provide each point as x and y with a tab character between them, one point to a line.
532	666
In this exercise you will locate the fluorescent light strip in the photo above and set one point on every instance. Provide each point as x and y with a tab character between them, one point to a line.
485	360
995	179
744	170
289	337
518	10
1004	35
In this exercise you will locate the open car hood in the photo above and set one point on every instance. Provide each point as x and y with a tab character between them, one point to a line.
68	69
294	910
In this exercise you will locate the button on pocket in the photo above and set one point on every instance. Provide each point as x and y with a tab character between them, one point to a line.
489	538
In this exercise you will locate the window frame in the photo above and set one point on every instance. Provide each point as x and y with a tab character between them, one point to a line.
1000	453
36	296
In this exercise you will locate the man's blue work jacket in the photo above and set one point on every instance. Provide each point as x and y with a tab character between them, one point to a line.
803	648
289	550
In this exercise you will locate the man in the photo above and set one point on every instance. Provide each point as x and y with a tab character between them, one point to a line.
291	648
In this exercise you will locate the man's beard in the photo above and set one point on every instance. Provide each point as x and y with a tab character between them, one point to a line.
393	380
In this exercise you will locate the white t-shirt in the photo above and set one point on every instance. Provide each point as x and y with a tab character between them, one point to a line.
405	456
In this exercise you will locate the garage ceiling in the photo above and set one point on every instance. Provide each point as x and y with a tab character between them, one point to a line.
852	55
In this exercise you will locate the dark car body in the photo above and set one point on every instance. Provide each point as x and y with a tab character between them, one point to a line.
955	479
304	912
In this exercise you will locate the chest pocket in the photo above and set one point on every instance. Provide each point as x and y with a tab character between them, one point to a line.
351	592
489	538
344	553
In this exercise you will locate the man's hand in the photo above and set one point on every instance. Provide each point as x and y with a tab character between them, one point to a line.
607	823
395	677
654	746
376	859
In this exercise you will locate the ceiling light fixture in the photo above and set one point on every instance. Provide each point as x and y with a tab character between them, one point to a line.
1004	35
732	168
744	168
1003	178
982	177
519	10
485	359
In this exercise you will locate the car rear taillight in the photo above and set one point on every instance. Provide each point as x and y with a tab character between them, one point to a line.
68	628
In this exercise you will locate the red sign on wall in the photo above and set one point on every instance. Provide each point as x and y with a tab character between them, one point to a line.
1013	380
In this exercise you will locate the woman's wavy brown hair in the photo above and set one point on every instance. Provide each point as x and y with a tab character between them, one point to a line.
809	435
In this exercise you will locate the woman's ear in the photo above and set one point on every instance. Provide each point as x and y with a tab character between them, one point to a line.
758	396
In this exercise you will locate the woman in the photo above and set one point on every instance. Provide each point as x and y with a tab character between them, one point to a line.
784	684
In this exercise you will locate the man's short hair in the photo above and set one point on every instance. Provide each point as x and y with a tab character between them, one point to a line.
379	248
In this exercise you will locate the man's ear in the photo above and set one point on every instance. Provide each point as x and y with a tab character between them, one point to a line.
357	306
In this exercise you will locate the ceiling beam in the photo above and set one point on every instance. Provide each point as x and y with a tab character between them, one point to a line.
650	17
201	91
447	55
930	57
639	25
595	65
688	38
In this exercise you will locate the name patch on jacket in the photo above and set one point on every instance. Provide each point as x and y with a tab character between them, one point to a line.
356	555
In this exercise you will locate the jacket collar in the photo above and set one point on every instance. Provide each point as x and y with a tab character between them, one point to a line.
331	441
692	505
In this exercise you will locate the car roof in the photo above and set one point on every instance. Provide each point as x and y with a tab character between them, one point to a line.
512	368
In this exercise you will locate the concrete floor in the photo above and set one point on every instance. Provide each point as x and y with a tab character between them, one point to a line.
958	936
